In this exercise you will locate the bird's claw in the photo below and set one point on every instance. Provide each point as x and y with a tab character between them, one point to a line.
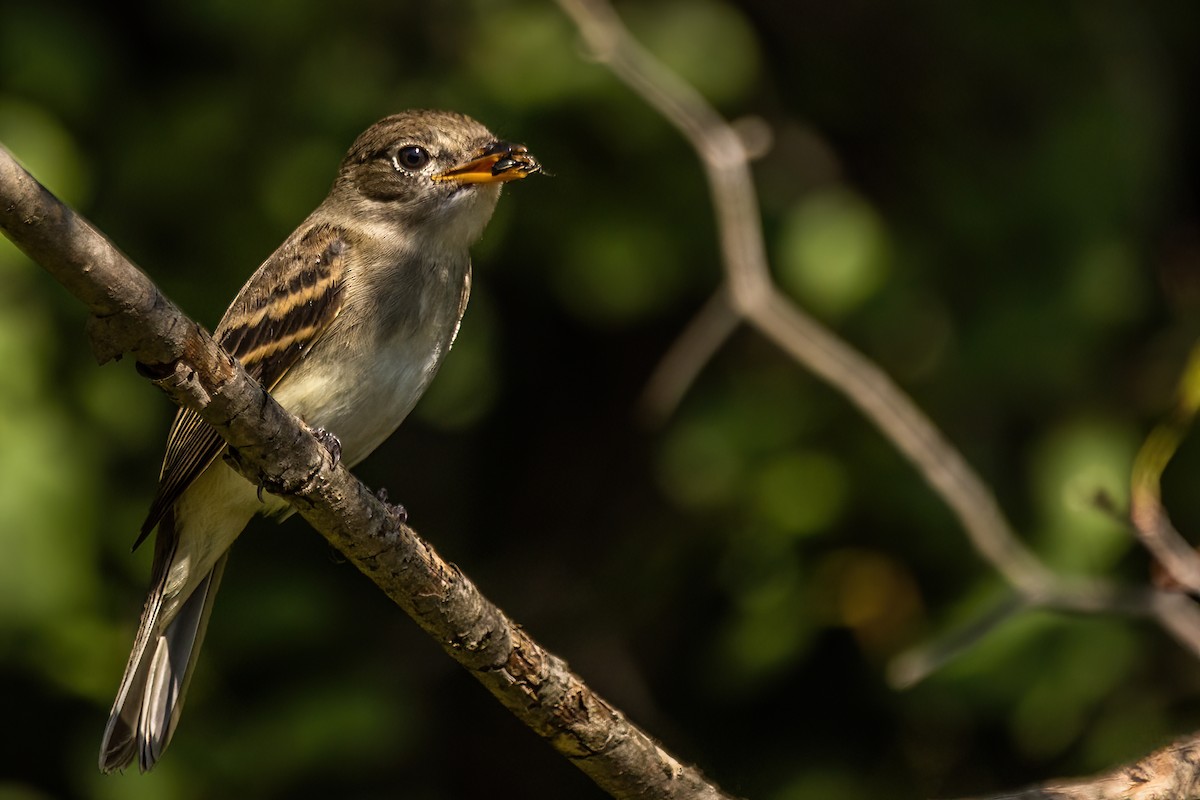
330	442
398	512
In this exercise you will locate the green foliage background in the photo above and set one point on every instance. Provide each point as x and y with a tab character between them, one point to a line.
996	201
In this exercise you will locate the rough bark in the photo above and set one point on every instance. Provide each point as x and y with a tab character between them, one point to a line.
130	316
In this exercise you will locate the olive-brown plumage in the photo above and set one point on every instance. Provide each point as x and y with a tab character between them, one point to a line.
346	324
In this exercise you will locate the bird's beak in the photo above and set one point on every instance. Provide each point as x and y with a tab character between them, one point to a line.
495	163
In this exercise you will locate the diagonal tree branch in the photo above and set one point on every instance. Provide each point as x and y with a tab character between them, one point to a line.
129	315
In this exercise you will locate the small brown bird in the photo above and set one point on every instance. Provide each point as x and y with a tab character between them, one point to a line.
345	324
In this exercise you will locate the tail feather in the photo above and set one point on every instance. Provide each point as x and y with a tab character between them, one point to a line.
152	692
190	550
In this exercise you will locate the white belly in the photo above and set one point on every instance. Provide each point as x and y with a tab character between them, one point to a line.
362	397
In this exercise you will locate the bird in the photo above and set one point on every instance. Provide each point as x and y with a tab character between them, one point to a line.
345	324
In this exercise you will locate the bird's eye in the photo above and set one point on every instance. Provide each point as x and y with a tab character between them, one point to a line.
410	158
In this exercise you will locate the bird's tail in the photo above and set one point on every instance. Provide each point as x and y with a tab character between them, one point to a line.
152	691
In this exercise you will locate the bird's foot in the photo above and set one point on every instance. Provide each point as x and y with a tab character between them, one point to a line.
398	512
329	442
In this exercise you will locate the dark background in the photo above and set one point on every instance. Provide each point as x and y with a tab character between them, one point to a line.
995	201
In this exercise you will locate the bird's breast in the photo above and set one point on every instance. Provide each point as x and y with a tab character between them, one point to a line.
365	375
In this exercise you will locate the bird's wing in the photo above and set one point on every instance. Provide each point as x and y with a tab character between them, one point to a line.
279	314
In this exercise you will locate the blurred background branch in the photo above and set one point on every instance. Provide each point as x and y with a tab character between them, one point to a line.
1175	556
750	290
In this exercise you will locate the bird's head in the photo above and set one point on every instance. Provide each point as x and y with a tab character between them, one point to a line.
431	170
